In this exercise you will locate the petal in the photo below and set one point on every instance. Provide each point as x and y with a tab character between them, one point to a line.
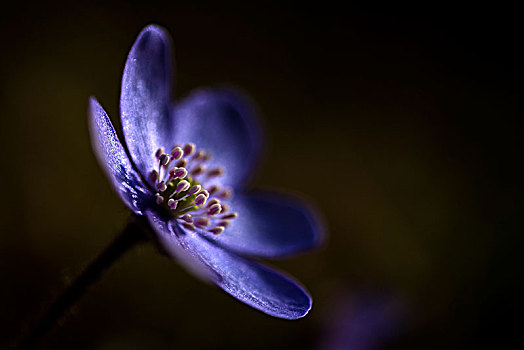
222	122
258	286
271	225
114	161
145	95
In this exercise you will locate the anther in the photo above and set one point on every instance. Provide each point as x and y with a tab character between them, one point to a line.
217	230
187	218
161	186
159	152
199	155
153	176
230	216
189	149
181	163
199	169
172	203
195	189
214	209
225	207
163	159
213	189
182	186
158	198
213	201
201	222
226	194
215	172
205	193
189	227
224	223
200	199
177	153
178	173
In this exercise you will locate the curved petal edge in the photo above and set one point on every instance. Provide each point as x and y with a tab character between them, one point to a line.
256	285
224	122
145	97
114	161
271	224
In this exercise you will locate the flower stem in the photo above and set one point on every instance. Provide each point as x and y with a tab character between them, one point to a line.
132	234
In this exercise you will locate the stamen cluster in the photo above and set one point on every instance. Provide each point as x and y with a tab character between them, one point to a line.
180	181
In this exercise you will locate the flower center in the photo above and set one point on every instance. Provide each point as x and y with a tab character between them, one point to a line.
185	190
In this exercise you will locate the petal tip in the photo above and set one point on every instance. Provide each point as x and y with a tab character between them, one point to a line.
152	33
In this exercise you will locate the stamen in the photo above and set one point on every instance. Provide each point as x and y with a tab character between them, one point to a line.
189	149
226	194
214	209
213	201
177	153
217	230
215	172
163	159
182	186
194	203
158	198
214	189
199	169
178	173
161	186
189	227
182	163
201	222
172	203
200	155
195	189
230	216
200	199
153	176
187	218
224	223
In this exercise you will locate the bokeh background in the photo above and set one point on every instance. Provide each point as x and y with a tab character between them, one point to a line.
410	113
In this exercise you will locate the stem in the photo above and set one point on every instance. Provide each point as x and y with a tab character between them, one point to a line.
132	234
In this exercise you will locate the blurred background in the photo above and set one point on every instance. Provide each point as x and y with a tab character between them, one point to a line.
411	113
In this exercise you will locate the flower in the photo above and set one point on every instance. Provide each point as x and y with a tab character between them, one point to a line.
187	174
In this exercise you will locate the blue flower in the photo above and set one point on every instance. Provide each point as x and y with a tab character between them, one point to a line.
187	173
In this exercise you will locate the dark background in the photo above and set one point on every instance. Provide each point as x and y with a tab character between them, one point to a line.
410	112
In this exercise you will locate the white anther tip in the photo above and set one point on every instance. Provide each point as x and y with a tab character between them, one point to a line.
159	152
182	186
214	209
172	203
161	186
163	159
200	199
195	189
177	153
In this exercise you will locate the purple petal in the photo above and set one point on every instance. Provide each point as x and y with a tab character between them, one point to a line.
144	100
114	161
271	225
264	289
222	122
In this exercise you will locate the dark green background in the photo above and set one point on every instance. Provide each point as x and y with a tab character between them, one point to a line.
409	115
